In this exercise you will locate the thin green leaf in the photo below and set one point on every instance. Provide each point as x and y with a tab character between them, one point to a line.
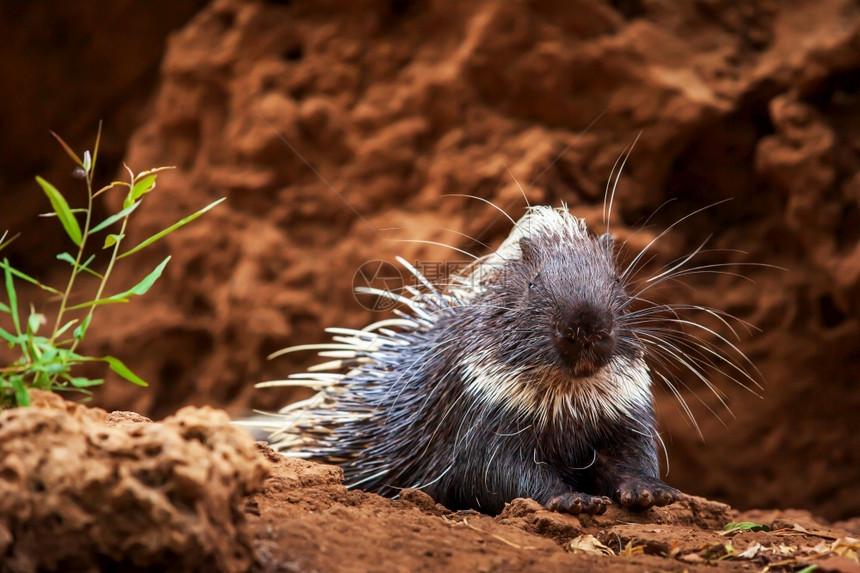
110	186
112	239
80	382
4	308
12	340
127	202
156	170
102	301
98	142
4	244
114	218
142	187
22	395
67	355
61	208
50	215
81	330
68	149
42	381
47	348
5	264
143	286
140	288
13	297
745	526
117	366
32	348
49	369
170	229
67	258
65	327
85	266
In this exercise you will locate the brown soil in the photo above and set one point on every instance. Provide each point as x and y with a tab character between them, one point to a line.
304	520
389	106
83	490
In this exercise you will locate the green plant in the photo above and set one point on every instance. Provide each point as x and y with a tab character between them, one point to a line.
736	527
47	361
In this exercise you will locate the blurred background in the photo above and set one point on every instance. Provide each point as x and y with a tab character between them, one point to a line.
386	106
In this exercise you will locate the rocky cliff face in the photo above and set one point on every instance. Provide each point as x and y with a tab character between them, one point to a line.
335	131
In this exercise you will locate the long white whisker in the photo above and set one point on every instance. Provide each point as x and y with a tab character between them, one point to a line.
681	263
523	191
437	244
683	404
629	150
666	230
488	202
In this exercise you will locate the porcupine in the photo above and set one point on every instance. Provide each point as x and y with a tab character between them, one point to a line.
523	377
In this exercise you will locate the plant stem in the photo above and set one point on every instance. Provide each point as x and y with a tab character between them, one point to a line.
80	256
108	271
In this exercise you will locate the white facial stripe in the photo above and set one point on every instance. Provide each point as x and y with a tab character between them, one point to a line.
613	393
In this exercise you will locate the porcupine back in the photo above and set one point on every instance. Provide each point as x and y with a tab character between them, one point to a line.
467	382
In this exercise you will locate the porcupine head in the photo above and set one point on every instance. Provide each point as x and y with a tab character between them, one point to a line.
560	371
521	378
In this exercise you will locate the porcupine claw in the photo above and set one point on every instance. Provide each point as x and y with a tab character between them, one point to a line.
576	503
640	493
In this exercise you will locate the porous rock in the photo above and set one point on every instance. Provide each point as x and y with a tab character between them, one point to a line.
84	490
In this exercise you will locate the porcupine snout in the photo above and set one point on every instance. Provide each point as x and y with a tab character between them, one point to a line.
585	338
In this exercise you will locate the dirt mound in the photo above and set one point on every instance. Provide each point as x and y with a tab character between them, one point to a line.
305	520
81	489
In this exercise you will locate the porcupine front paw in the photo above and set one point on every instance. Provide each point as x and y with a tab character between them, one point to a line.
576	503
641	492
